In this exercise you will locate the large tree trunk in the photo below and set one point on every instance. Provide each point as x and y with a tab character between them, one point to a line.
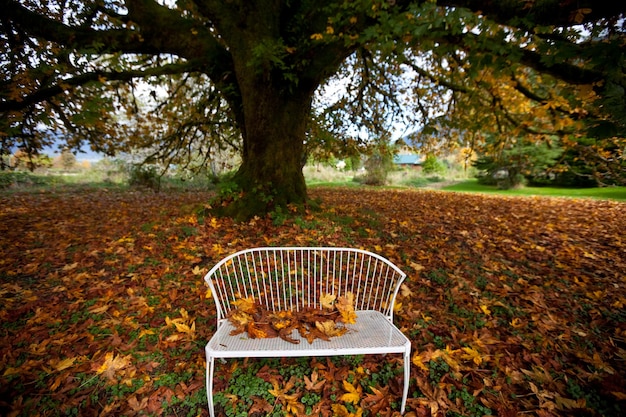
273	130
272	104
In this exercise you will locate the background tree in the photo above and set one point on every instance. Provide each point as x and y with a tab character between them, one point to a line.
245	73
517	162
67	160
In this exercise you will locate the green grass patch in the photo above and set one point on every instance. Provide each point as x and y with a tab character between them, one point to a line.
472	186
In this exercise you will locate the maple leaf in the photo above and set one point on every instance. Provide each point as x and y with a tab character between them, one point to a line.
340	410
246	305
473	355
329	328
255	331
405	291
65	363
294	406
285	334
112	364
183	324
260	406
281	319
485	309
290	401
328	301
345	306
137	405
420	359
353	395
312	383
378	400
239	318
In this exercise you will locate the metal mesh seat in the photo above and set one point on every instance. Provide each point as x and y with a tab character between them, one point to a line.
294	278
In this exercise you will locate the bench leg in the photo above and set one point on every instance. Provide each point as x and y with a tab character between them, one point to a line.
407	375
210	366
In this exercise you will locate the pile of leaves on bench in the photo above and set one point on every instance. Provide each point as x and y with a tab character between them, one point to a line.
250	317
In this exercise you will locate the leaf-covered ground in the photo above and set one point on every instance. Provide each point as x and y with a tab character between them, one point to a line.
514	306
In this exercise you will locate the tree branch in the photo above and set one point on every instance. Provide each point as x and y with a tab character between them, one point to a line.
527	14
82	79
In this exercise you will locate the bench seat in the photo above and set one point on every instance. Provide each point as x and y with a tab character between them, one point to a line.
294	278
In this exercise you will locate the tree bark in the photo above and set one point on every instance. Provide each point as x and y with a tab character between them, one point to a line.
273	132
272	106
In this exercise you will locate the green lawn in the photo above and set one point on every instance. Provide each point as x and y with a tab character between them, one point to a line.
472	186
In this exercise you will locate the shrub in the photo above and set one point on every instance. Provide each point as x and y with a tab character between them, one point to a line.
432	165
144	176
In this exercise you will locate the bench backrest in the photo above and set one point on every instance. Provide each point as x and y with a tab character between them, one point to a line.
293	278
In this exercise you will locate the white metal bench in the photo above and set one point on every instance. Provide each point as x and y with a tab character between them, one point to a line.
293	278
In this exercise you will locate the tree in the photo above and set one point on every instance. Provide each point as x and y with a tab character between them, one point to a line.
523	160
67	160
246	73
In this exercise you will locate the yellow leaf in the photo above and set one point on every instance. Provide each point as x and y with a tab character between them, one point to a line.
112	364
276	391
255	332
566	403
98	310
65	363
517	323
329	328
345	306
317	36
485	309
353	395
144	333
473	355
405	291
328	300
246	305
69	267
239	317
184	328
293	406
417	267
11	371
340	410
447	356
281	319
418	360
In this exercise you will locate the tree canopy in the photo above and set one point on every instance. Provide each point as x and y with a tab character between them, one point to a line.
184	79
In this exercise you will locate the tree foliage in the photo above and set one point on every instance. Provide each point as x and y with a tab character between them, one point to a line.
248	75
